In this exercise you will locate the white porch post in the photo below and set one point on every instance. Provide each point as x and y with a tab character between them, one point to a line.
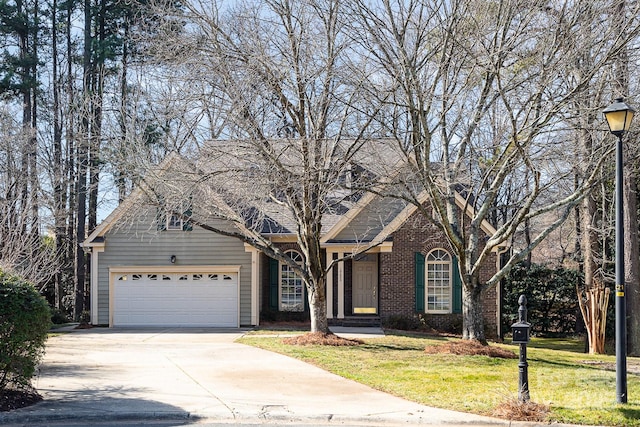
329	292
93	294
255	280
341	287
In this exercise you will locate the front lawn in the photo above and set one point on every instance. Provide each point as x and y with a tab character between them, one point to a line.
578	388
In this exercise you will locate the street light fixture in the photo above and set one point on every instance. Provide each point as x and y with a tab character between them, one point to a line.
619	116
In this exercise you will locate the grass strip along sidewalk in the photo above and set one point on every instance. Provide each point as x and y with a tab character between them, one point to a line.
577	388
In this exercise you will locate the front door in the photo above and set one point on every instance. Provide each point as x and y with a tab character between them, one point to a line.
365	286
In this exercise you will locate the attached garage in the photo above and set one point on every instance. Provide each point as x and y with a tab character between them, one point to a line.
195	297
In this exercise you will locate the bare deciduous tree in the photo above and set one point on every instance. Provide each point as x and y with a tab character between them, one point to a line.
23	250
481	95
476	98
276	72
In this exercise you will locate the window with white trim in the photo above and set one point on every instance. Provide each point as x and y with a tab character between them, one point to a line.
174	222
291	285
177	218
439	284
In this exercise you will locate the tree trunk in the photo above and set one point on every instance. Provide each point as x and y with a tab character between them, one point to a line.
24	71
631	258
83	165
472	317
316	280
34	182
97	92
630	227
124	117
58	206
590	240
318	307
594	312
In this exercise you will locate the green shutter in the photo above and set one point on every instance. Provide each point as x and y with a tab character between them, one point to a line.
187	225
457	287
274	274
161	215
419	282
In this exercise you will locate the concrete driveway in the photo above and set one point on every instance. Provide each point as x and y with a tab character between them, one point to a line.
196	375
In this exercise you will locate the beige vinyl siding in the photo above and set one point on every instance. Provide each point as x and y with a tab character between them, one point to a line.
139	243
371	220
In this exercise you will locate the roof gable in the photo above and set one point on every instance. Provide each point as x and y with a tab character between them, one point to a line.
136	196
366	218
401	211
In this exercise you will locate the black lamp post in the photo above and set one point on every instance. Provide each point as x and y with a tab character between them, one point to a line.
619	116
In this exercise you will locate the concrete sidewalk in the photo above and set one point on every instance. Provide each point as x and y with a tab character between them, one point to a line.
195	375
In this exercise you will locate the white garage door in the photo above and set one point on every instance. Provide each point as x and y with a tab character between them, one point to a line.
175	299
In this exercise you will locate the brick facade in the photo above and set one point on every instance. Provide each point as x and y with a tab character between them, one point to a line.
397	276
396	284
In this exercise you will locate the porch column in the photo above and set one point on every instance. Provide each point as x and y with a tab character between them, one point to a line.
329	292
93	293
255	276
255	281
341	287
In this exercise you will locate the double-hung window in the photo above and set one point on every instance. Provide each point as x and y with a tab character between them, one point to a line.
176	218
174	221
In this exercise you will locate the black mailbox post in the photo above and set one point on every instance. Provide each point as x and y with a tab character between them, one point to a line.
520	332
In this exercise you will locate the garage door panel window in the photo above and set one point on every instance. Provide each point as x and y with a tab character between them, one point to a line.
291	285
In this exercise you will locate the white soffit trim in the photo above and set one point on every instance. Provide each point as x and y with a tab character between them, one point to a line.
351	248
176	269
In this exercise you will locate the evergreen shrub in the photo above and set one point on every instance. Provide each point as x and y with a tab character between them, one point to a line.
25	320
552	302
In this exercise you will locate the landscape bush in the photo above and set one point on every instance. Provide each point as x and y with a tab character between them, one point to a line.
552	302
403	322
25	320
59	317
284	316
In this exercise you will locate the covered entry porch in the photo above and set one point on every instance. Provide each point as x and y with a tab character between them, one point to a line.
353	286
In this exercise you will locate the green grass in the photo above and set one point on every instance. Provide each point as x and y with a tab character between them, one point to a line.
273	332
579	388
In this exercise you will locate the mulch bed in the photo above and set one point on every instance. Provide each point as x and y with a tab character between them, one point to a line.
521	411
633	366
469	348
12	398
320	338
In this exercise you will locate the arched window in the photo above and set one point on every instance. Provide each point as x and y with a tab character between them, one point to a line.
439	274
291	285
